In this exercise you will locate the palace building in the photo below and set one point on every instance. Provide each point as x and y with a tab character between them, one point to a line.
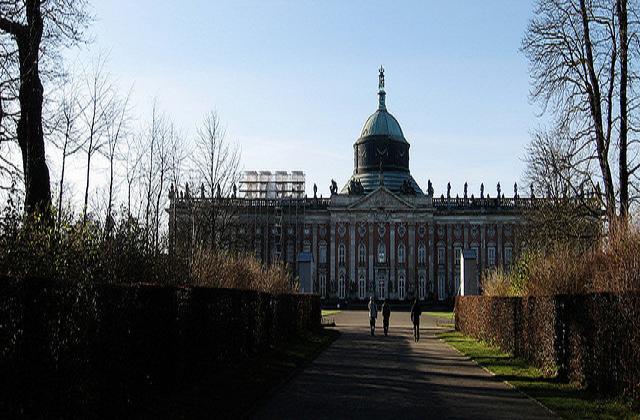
379	235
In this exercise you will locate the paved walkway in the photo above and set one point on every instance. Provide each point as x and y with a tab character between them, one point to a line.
393	378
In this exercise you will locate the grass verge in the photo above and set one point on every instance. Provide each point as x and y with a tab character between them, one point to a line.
566	400
328	312
440	314
237	390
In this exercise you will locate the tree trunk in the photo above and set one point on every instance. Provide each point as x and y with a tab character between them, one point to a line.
623	170
595	98
29	130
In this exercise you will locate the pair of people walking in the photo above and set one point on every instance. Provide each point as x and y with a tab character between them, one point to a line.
373	315
416	311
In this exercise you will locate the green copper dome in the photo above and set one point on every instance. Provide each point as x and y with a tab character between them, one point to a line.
381	153
381	123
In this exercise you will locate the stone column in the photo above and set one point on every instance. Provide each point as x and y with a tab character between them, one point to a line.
332	255
371	280
449	261
430	261
392	259
499	245
352	254
411	261
314	251
483	248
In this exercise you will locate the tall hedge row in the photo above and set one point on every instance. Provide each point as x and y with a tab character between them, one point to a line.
592	339
71	350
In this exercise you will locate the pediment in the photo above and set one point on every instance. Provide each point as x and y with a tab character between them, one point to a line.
381	198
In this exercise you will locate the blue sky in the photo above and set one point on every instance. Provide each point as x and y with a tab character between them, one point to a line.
293	81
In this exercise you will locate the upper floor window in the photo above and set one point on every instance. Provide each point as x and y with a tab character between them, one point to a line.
458	254
322	253
382	253
341	252
491	255
422	254
441	255
362	254
401	252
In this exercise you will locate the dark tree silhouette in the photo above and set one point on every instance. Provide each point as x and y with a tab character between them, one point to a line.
36	27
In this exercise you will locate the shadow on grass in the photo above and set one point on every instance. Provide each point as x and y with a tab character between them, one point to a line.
565	399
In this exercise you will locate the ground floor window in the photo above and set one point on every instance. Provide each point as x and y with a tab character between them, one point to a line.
441	290
362	288
401	287
323	285
422	287
341	286
382	289
456	279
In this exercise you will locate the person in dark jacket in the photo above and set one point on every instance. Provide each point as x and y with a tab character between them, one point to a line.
386	313
416	311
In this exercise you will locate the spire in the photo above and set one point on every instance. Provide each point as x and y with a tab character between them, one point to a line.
381	92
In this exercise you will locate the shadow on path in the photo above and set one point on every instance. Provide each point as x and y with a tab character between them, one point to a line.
361	376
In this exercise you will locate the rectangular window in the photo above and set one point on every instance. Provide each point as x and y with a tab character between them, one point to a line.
458	254
341	252
323	285
441	290
441	255
421	254
491	256
322	254
508	255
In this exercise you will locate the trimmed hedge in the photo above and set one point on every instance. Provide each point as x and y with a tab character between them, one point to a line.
71	350
592	339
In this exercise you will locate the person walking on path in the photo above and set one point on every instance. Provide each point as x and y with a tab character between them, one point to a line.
386	313
416	311
373	314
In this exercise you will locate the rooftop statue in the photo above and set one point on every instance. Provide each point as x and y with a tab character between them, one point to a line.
448	190
315	190
482	190
465	190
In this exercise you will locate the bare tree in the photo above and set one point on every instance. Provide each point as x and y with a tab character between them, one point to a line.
557	167
574	47
216	163
118	118
32	31
66	133
97	107
134	155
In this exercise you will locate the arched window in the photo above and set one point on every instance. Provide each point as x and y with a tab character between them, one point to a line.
362	254
401	287
382	253
422	254
362	287
341	286
401	254
322	253
341	254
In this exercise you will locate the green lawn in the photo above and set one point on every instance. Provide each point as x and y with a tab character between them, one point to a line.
328	312
567	400
440	314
